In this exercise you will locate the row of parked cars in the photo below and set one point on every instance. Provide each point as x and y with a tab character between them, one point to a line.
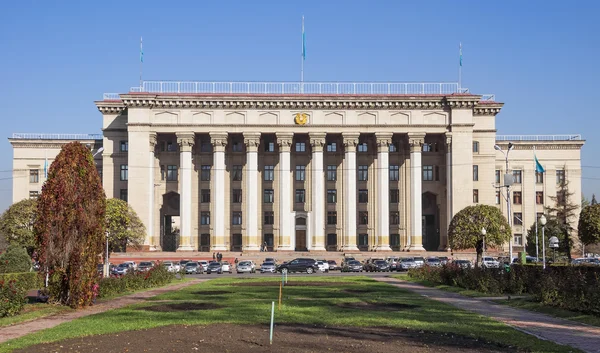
393	263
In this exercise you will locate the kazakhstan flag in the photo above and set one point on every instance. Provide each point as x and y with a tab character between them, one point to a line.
538	165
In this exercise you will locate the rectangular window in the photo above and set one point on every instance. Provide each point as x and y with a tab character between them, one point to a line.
517	175
236	196
394	218
363	173
475	173
300	193
428	173
363	217
394	195
331	173
393	147
269	173
268	196
497	197
237	147
426	147
204	218
332	147
394	173
300	147
363	147
561	200
206	146
171	147
123	194
475	146
331	195
475	195
539	178
205	195
560	176
171	173
539	197
498	176
300	172
205	173
517	219
34	194
269	146
123	146
236	218
237	173
363	196
269	218
518	239
124	169
517	198
331	217
34	176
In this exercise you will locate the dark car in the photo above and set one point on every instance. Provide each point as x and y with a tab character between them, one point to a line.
333	265
381	266
214	267
433	262
462	263
192	267
352	266
372	265
299	265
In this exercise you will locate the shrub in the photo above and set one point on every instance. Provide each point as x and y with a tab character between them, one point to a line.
15	259
26	280
12	298
132	281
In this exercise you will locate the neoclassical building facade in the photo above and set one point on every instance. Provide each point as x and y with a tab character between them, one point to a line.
235	171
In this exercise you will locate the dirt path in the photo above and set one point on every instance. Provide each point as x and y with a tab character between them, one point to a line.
25	328
561	331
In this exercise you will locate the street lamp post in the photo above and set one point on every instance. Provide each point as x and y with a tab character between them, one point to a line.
508	181
483	232
543	223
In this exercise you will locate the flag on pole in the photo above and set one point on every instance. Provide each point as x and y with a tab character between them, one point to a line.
538	165
460	54
46	165
141	51
303	41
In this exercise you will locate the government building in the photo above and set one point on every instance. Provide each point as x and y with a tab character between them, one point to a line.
233	166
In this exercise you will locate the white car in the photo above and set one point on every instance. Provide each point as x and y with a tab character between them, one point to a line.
419	261
490	262
323	266
246	267
226	267
132	264
169	266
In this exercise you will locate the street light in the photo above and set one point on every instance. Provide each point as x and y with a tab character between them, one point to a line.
543	223
483	232
98	151
508	181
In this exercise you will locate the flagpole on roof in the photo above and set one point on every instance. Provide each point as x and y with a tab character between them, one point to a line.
459	66
141	61
535	168
303	57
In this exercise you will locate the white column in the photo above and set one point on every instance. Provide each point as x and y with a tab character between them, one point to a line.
219	142
287	233
416	208
317	141
349	182
449	214
186	143
383	192
252	141
154	244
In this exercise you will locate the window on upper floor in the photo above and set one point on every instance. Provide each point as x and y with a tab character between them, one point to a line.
539	197
300	195
268	196
331	173
269	146
236	196
475	146
363	173
363	196
269	173
171	173
300	147
205	173
427	173
331	195
205	195
394	218
269	218
518	176
475	173
237	172
393	147
332	147
539	178
560	176
475	196
517	199
394	196
34	176
517	218
300	172
363	147
497	174
205	218
236	218
123	194
394	172
124	174
123	146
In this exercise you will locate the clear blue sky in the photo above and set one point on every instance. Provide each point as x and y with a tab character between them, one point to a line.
539	57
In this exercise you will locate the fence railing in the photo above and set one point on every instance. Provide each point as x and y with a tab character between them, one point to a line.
342	88
111	97
33	136
575	137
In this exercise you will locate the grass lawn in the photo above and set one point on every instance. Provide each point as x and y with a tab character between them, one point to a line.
529	304
331	305
32	312
465	292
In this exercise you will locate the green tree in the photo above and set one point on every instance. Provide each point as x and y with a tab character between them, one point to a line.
584	202
15	259
123	226
16	224
465	228
553	229
565	212
589	225
594	202
70	226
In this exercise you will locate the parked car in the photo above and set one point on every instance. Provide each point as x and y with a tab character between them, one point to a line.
333	266
267	267
299	265
370	265
169	266
204	264
444	260
246	267
433	262
490	262
271	259
214	267
324	262
393	261
419	260
100	268
406	264
123	269
182	264
226	267
586	261
145	266
132	264
323	266
346	260
463	263
192	267
381	266
352	266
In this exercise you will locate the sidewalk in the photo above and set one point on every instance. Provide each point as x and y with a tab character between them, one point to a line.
25	328
561	331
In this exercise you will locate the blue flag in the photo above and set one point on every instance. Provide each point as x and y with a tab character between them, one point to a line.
303	41
538	165
460	54
141	51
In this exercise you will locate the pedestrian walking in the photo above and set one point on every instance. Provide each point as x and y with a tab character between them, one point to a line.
214	257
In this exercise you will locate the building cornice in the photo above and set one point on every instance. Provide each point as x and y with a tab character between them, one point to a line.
308	127
543	145
110	106
487	108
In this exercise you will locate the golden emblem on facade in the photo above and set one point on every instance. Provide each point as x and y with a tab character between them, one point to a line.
301	118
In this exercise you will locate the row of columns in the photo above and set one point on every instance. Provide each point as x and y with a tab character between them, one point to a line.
286	222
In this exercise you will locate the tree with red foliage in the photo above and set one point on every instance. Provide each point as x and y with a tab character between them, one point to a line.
70	226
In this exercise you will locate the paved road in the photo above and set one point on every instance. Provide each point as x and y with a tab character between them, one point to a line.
272	275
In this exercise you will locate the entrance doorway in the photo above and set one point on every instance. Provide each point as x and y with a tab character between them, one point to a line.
236	242
301	234
430	222
331	242
169	219
204	243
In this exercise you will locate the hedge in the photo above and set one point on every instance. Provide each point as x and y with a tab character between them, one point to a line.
574	288
132	281
26	280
